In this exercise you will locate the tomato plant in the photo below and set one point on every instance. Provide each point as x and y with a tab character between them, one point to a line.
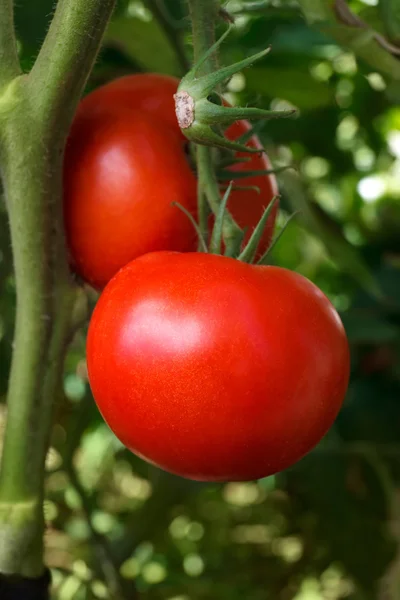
122	173
248	205
215	369
126	164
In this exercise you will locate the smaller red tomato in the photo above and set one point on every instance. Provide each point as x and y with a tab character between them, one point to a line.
122	172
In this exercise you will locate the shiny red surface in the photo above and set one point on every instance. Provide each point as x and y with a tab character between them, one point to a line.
151	92
214	369
122	172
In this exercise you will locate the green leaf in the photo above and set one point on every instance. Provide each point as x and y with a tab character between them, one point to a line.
297	86
145	43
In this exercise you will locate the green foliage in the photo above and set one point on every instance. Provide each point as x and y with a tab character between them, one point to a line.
323	529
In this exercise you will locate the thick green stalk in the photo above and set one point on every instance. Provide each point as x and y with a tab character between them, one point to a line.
232	233
8	48
204	14
35	115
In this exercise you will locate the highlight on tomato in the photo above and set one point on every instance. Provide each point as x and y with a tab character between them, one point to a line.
122	173
215	369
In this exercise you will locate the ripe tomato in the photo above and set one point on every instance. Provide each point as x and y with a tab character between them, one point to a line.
122	172
214	369
125	164
151	92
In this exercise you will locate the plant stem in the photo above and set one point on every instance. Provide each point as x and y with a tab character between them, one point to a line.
364	42
204	14
174	36
109	569
208	180
202	206
36	114
8	48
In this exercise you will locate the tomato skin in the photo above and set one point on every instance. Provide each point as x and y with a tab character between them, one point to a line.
122	172
214	369
150	92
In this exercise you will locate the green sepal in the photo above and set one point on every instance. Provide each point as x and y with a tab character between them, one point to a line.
232	160
228	175
243	188
199	118
202	242
192	73
201	87
249	252
254	130
263	259
234	243
216	237
205	135
212	114
207	83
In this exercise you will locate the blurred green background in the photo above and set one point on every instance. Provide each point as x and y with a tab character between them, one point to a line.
328	528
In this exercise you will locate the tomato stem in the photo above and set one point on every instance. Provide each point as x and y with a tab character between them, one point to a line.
249	252
35	116
232	233
216	238
227	175
204	14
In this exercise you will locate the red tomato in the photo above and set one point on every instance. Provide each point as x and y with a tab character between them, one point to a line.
151	92
248	206
122	172
214	369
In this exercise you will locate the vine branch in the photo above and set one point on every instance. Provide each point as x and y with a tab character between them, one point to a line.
101	547
67	56
35	117
336	20
204	14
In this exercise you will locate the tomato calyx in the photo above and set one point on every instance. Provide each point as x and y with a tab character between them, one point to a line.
199	113
233	240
